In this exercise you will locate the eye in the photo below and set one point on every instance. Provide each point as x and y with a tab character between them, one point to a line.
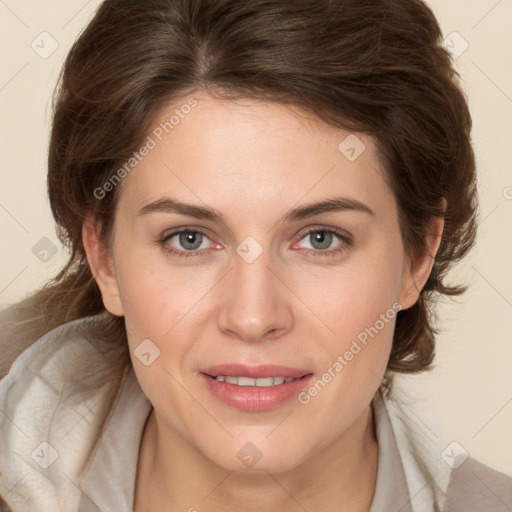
321	241
193	241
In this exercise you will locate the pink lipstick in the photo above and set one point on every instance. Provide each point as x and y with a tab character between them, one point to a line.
255	388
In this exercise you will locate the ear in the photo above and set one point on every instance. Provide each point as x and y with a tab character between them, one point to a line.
418	268
101	265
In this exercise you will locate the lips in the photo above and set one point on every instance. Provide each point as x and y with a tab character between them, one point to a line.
255	388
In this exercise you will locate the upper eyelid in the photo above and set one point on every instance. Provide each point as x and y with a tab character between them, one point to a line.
176	231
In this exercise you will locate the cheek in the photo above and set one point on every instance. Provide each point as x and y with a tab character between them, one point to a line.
352	297
155	296
358	305
156	302
355	354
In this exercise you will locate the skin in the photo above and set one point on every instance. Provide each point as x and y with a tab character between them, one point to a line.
254	161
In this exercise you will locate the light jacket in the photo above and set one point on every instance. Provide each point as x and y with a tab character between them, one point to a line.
70	443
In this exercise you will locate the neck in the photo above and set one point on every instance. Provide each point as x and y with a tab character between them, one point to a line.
173	472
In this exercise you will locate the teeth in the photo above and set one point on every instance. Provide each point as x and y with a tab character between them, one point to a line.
249	381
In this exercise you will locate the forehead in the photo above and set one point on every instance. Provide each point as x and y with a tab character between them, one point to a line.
251	153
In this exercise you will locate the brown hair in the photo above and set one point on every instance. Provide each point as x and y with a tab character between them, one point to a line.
371	67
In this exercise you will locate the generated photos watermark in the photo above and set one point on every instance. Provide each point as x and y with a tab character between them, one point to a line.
361	341
151	142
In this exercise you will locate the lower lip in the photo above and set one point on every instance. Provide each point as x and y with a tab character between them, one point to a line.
253	398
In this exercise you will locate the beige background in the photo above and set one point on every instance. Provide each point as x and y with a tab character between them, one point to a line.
469	394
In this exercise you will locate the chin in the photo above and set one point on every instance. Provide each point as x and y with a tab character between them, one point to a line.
257	456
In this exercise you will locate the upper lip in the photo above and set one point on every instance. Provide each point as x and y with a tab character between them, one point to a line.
255	371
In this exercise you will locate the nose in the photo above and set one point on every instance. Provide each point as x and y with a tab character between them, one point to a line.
256	303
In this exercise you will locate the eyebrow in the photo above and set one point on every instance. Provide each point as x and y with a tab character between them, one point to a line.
335	204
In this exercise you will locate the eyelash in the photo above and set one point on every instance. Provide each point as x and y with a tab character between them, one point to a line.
345	239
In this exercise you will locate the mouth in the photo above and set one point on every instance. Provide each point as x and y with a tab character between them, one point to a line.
255	388
263	382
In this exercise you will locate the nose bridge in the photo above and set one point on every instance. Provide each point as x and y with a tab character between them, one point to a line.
255	304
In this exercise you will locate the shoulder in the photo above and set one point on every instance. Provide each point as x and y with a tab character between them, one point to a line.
473	486
59	362
55	400
68	352
434	482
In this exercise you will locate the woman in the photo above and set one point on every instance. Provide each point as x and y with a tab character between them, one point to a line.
261	201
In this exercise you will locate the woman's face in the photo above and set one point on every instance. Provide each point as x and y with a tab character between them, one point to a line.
265	280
